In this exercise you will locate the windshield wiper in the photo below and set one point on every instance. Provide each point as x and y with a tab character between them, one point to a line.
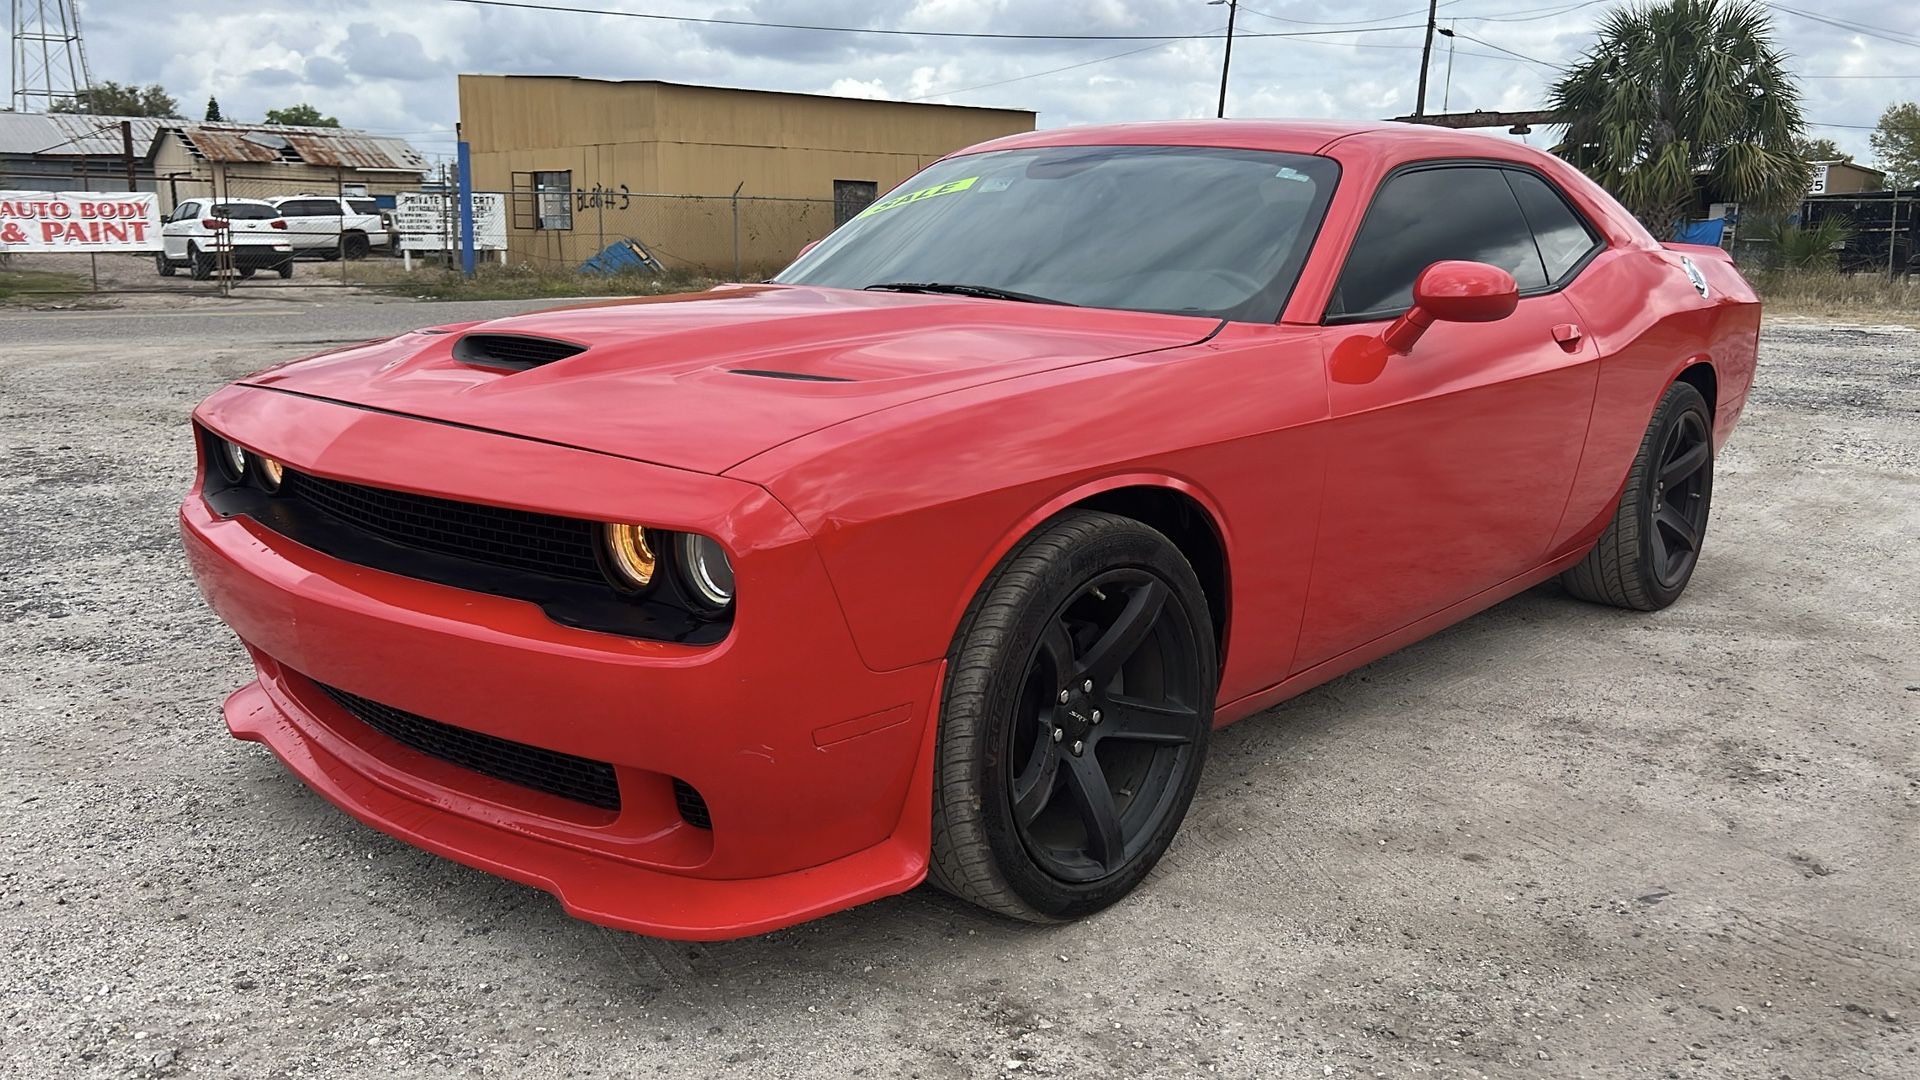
985	292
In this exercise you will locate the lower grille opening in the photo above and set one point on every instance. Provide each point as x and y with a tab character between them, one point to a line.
582	780
693	806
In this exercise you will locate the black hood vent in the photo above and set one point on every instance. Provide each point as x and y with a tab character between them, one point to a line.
795	376
512	352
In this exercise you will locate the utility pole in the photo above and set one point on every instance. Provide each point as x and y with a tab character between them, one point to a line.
1446	89
1233	8
1426	54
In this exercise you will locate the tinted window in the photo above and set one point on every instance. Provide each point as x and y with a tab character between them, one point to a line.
1190	230
364	206
185	211
1563	238
308	208
239	211
1421	218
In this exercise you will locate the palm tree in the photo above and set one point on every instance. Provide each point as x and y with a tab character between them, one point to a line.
1673	89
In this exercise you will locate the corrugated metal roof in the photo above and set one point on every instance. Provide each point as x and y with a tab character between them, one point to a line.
326	147
73	134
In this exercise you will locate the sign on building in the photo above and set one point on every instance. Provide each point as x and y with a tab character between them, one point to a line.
79	221
430	221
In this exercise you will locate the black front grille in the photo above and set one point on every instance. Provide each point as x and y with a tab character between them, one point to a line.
582	780
519	539
514	352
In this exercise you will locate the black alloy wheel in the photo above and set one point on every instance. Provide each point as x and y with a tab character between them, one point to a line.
1074	725
1105	726
1679	499
1649	551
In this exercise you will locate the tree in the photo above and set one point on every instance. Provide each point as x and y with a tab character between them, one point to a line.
301	115
1896	144
1820	150
213	111
1681	88
112	99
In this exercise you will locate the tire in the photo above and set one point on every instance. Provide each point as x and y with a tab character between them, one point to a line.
200	264
285	269
1649	550
245	272
163	264
356	246
1008	834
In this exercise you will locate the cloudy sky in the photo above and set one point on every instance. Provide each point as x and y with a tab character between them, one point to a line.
389	65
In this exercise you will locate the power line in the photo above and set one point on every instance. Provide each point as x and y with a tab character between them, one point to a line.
1351	22
1898	37
1053	71
1501	48
1530	15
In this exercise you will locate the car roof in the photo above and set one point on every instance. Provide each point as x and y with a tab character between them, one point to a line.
1291	136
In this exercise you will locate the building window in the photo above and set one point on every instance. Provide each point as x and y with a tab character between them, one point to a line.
850	197
553	200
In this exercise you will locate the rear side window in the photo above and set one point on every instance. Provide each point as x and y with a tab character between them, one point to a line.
364	206
244	211
1422	217
1563	237
308	208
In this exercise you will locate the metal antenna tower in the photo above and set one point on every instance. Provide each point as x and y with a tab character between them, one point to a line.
49	58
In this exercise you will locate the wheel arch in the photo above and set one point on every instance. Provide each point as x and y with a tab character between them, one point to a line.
1698	373
1177	508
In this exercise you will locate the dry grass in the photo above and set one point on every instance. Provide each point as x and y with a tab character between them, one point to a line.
1829	294
22	284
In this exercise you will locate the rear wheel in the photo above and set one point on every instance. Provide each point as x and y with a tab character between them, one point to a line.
356	246
200	263
1649	550
285	269
245	272
1074	724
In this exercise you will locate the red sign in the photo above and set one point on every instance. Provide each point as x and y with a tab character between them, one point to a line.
79	221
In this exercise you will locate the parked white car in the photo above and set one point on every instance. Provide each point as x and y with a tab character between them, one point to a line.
331	226
205	235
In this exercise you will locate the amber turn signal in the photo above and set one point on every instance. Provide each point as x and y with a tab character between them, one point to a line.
630	555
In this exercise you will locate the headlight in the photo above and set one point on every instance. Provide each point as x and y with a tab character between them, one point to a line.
706	569
269	472
232	459
630	557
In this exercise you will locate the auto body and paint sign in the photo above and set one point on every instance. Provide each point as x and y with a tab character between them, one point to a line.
79	221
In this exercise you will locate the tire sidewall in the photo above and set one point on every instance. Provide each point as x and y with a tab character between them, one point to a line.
1138	547
1680	399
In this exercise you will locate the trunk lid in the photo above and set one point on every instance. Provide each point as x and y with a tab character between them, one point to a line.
704	381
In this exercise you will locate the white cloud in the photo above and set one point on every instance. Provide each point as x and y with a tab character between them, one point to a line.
389	65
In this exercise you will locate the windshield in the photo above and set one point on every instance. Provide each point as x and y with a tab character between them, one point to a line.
1186	230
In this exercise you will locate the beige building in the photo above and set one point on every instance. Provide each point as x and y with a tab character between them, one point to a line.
588	162
261	161
1844	178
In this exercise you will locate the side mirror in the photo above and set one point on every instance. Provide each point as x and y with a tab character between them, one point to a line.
1454	291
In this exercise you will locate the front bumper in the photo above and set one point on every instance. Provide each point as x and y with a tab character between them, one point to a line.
814	768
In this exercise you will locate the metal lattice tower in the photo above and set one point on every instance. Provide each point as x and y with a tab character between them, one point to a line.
49	58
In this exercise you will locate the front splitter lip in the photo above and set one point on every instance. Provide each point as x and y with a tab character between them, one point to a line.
595	888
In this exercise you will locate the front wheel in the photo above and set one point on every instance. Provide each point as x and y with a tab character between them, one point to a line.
1648	552
163	264
1074	724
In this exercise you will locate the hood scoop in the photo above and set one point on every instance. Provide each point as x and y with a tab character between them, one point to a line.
795	376
512	352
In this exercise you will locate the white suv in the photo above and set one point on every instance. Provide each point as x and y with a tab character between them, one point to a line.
205	235
331	226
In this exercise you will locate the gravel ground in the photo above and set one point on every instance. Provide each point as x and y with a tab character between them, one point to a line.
1554	841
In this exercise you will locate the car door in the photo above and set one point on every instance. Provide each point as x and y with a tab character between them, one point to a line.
312	223
179	227
1448	466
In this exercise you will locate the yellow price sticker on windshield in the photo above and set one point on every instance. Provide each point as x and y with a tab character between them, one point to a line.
947	188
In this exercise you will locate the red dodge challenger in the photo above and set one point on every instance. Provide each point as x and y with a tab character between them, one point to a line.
939	555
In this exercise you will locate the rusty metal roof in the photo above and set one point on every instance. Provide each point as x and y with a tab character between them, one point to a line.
326	147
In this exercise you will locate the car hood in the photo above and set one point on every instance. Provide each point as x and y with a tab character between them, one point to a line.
704	381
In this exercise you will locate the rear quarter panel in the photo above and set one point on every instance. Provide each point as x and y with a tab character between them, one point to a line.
1650	323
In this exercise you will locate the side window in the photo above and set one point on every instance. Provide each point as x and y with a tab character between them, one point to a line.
1563	237
185	211
1420	218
